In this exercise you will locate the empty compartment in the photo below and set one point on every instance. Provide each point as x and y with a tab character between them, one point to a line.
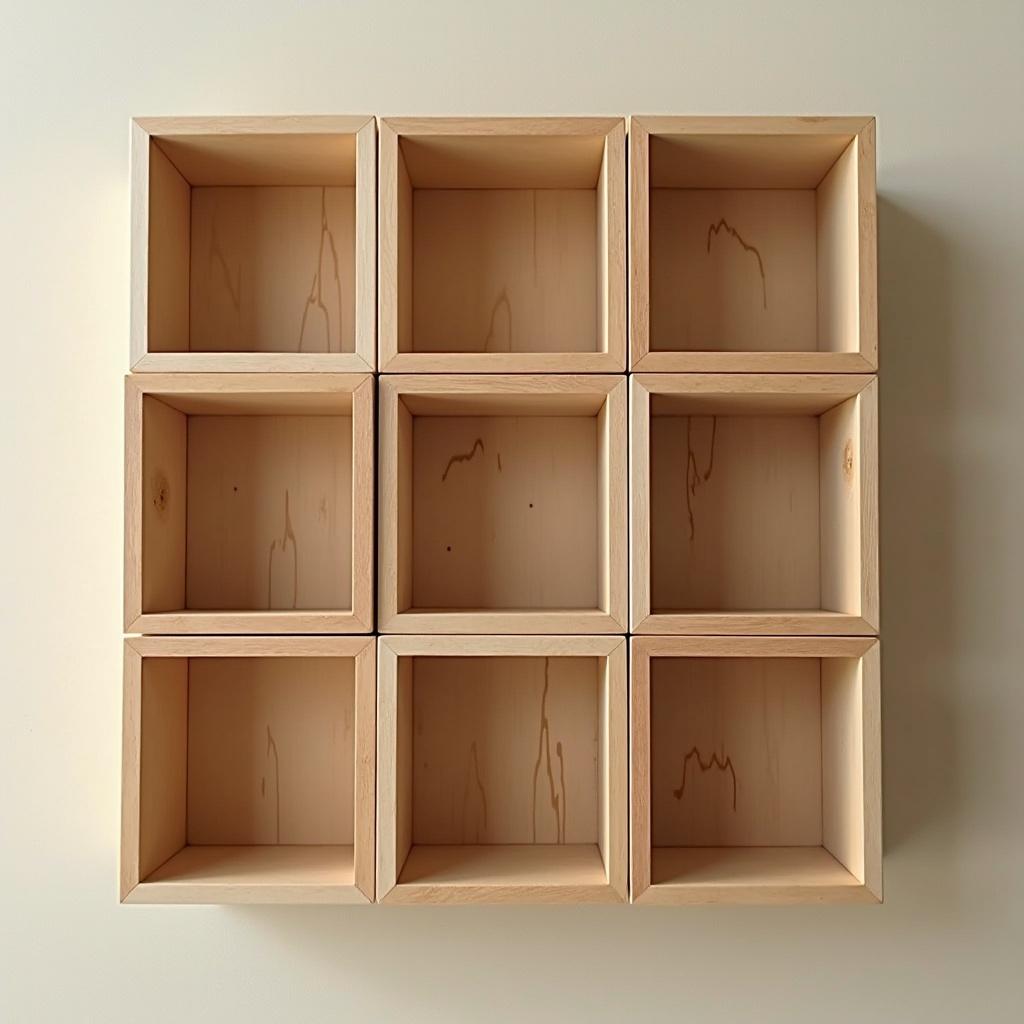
506	772
250	508
760	505
241	764
501	504
762	772
761	239
503	244
255	236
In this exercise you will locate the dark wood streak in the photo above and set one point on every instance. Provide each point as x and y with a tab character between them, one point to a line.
724	225
714	762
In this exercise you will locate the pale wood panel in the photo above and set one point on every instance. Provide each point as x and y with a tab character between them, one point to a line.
164	506
169	243
509	620
869	597
735	752
509	270
505	750
752	362
365	342
269	512
872	732
840	498
250	646
504	874
640	766
733	270
403	237
365	781
763	621
505	512
271	751
867	223
364	436
613	776
503	646
734	513
162	763
735	875
639	243
404	762
254	874
753	392
745	152
254	151
131	759
838	249
504	152
272	270
387	769
842	762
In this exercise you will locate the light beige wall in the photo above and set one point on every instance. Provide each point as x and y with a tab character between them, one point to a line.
945	80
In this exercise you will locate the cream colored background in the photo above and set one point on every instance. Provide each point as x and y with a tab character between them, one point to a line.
946	82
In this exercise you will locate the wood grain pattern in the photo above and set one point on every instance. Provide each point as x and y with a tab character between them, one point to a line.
505	270
271	751
505	512
735	752
269	512
505	750
272	269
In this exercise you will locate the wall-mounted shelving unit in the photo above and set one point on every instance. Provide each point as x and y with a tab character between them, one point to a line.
249	770
502	245
502	769
755	770
484	514
753	245
249	503
254	244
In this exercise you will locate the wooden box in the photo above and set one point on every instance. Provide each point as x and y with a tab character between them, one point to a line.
249	503
502	245
248	770
753	244
502	770
754	504
502	504
254	244
756	770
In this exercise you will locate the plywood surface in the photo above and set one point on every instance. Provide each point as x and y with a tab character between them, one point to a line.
734	513
272	269
508	270
504	750
735	752
271	753
733	270
269	512
505	512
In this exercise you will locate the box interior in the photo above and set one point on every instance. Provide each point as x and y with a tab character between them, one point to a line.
502	770
252	243
502	502
247	502
247	770
757	770
754	243
755	504
502	243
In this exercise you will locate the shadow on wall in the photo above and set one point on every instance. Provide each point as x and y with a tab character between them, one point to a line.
918	538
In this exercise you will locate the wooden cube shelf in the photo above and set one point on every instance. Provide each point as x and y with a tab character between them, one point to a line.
254	244
248	770
502	770
754	504
753	244
249	503
502	504
502	245
756	770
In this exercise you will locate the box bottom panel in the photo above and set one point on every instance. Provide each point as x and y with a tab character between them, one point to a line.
738	874
253	874
504	873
